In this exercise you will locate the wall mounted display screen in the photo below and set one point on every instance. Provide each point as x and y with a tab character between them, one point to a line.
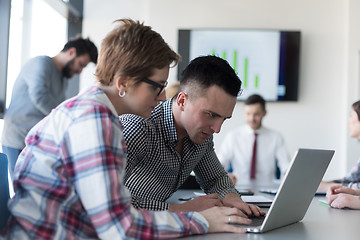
267	61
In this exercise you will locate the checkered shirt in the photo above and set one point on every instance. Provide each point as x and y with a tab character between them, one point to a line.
353	177
155	170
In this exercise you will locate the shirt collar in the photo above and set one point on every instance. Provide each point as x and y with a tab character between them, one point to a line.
169	125
258	131
100	96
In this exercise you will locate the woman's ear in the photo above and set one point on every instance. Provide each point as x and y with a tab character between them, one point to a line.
122	83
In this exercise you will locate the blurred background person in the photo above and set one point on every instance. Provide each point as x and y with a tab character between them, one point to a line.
40	87
352	179
254	151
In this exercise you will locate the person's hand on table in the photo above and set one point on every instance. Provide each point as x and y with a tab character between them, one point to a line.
336	189
198	204
220	219
233	200
343	200
341	197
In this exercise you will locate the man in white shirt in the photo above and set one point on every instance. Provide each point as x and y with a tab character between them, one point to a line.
237	151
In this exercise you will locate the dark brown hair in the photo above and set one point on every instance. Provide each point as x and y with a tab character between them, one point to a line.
82	46
356	107
206	71
255	98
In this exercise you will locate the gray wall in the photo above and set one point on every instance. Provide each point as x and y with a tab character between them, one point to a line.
329	65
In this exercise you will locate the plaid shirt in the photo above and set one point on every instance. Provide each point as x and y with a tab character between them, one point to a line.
353	178
68	180
155	170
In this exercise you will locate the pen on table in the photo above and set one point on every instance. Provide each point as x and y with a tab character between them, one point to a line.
324	203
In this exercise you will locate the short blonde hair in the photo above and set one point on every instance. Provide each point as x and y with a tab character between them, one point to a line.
132	49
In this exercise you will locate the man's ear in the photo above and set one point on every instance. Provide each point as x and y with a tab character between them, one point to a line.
181	100
71	52
265	112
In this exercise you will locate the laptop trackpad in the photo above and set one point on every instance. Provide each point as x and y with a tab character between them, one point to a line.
255	224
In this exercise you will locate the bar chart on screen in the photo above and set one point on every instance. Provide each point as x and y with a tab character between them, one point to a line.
254	56
233	61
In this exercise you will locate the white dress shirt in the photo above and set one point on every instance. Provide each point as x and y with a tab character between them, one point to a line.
237	149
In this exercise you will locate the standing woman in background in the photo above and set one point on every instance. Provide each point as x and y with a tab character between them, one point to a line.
69	178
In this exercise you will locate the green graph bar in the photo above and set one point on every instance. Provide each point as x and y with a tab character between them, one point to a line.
224	55
235	56
256	81
235	61
245	71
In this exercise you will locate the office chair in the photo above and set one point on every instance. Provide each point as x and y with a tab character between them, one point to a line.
4	191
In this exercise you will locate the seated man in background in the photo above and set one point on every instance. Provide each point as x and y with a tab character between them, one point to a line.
177	139
253	150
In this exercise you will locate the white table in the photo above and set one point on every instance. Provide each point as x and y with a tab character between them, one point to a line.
320	222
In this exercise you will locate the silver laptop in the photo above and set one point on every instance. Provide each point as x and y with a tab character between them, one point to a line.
296	190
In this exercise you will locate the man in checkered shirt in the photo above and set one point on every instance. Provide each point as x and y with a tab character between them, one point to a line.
177	139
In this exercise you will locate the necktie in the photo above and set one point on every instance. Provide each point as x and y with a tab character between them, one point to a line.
253	160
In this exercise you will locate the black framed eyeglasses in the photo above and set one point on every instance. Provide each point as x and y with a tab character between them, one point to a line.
155	84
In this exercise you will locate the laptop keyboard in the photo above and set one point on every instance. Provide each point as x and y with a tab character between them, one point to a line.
256	221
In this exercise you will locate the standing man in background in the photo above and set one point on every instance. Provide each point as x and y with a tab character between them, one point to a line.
253	150
40	87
